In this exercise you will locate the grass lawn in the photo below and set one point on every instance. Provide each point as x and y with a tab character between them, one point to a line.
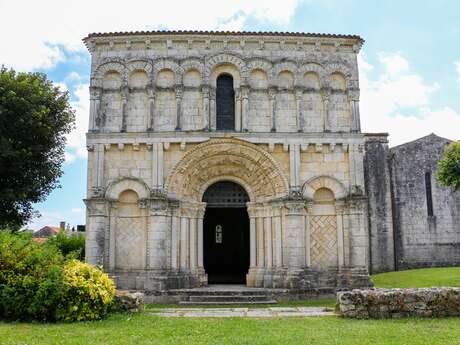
148	329
424	277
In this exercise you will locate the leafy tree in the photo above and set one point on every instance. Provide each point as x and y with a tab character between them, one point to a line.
73	245
35	115
448	172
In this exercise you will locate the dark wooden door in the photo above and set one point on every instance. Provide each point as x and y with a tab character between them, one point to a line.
226	245
226	233
225	103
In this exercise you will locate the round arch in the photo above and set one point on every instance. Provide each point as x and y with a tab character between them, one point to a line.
311	186
116	187
233	179
230	159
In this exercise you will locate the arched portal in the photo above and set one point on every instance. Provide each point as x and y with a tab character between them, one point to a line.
225	103
226	233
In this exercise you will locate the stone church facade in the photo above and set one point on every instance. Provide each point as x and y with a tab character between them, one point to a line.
235	158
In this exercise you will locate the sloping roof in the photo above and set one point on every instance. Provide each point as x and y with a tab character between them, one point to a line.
47	231
427	138
220	33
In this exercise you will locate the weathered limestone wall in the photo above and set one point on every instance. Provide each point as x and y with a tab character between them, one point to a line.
296	149
423	239
397	303
378	191
283	85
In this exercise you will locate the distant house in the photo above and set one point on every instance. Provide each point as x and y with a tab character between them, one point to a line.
46	232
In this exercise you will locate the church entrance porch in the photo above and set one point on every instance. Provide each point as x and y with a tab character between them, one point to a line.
226	234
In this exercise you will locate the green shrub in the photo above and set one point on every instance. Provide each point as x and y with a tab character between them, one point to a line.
88	292
37	283
73	246
30	278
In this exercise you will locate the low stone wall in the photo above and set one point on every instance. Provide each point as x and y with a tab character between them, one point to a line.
126	301
397	303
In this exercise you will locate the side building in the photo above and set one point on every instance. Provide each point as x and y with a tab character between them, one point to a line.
413	221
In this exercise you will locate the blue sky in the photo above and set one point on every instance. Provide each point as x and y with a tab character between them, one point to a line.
409	65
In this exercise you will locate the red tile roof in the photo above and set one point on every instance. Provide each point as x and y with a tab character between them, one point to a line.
47	231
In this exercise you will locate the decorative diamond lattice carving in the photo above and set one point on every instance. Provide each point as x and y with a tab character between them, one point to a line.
130	242
323	241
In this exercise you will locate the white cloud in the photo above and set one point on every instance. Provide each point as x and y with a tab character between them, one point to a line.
398	102
48	27
457	68
394	63
76	139
62	86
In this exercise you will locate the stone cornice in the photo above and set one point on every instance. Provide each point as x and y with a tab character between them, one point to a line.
194	137
189	39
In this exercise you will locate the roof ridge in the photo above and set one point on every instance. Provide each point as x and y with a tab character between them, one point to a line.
221	33
422	138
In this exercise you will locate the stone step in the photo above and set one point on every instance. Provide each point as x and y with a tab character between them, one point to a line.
246	302
228	298
206	292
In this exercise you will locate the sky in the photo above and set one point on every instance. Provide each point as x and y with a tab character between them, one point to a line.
409	64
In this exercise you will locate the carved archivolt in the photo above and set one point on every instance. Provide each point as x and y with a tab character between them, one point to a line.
222	59
192	63
342	69
139	65
260	64
315	68
102	70
167	64
286	65
227	159
311	186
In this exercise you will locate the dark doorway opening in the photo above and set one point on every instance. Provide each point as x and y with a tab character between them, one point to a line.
226	234
225	103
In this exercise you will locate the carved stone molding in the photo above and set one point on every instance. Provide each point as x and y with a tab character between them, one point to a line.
229	159
96	207
295	207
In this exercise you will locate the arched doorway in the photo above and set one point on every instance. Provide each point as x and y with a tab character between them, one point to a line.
225	103
226	233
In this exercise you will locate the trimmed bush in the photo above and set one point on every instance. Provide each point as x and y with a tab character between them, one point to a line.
88	292
37	283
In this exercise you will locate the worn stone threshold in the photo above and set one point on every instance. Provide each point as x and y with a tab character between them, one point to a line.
244	312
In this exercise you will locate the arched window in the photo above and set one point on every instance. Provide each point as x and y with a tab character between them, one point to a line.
225	103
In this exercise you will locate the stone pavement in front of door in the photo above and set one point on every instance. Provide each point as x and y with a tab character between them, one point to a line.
244	312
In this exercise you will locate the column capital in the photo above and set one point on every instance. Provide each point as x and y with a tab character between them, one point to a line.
95	92
254	209
192	210
158	207
295	207
205	88
96	206
212	93
340	206
97	192
150	91
299	91
244	91
179	91
353	94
